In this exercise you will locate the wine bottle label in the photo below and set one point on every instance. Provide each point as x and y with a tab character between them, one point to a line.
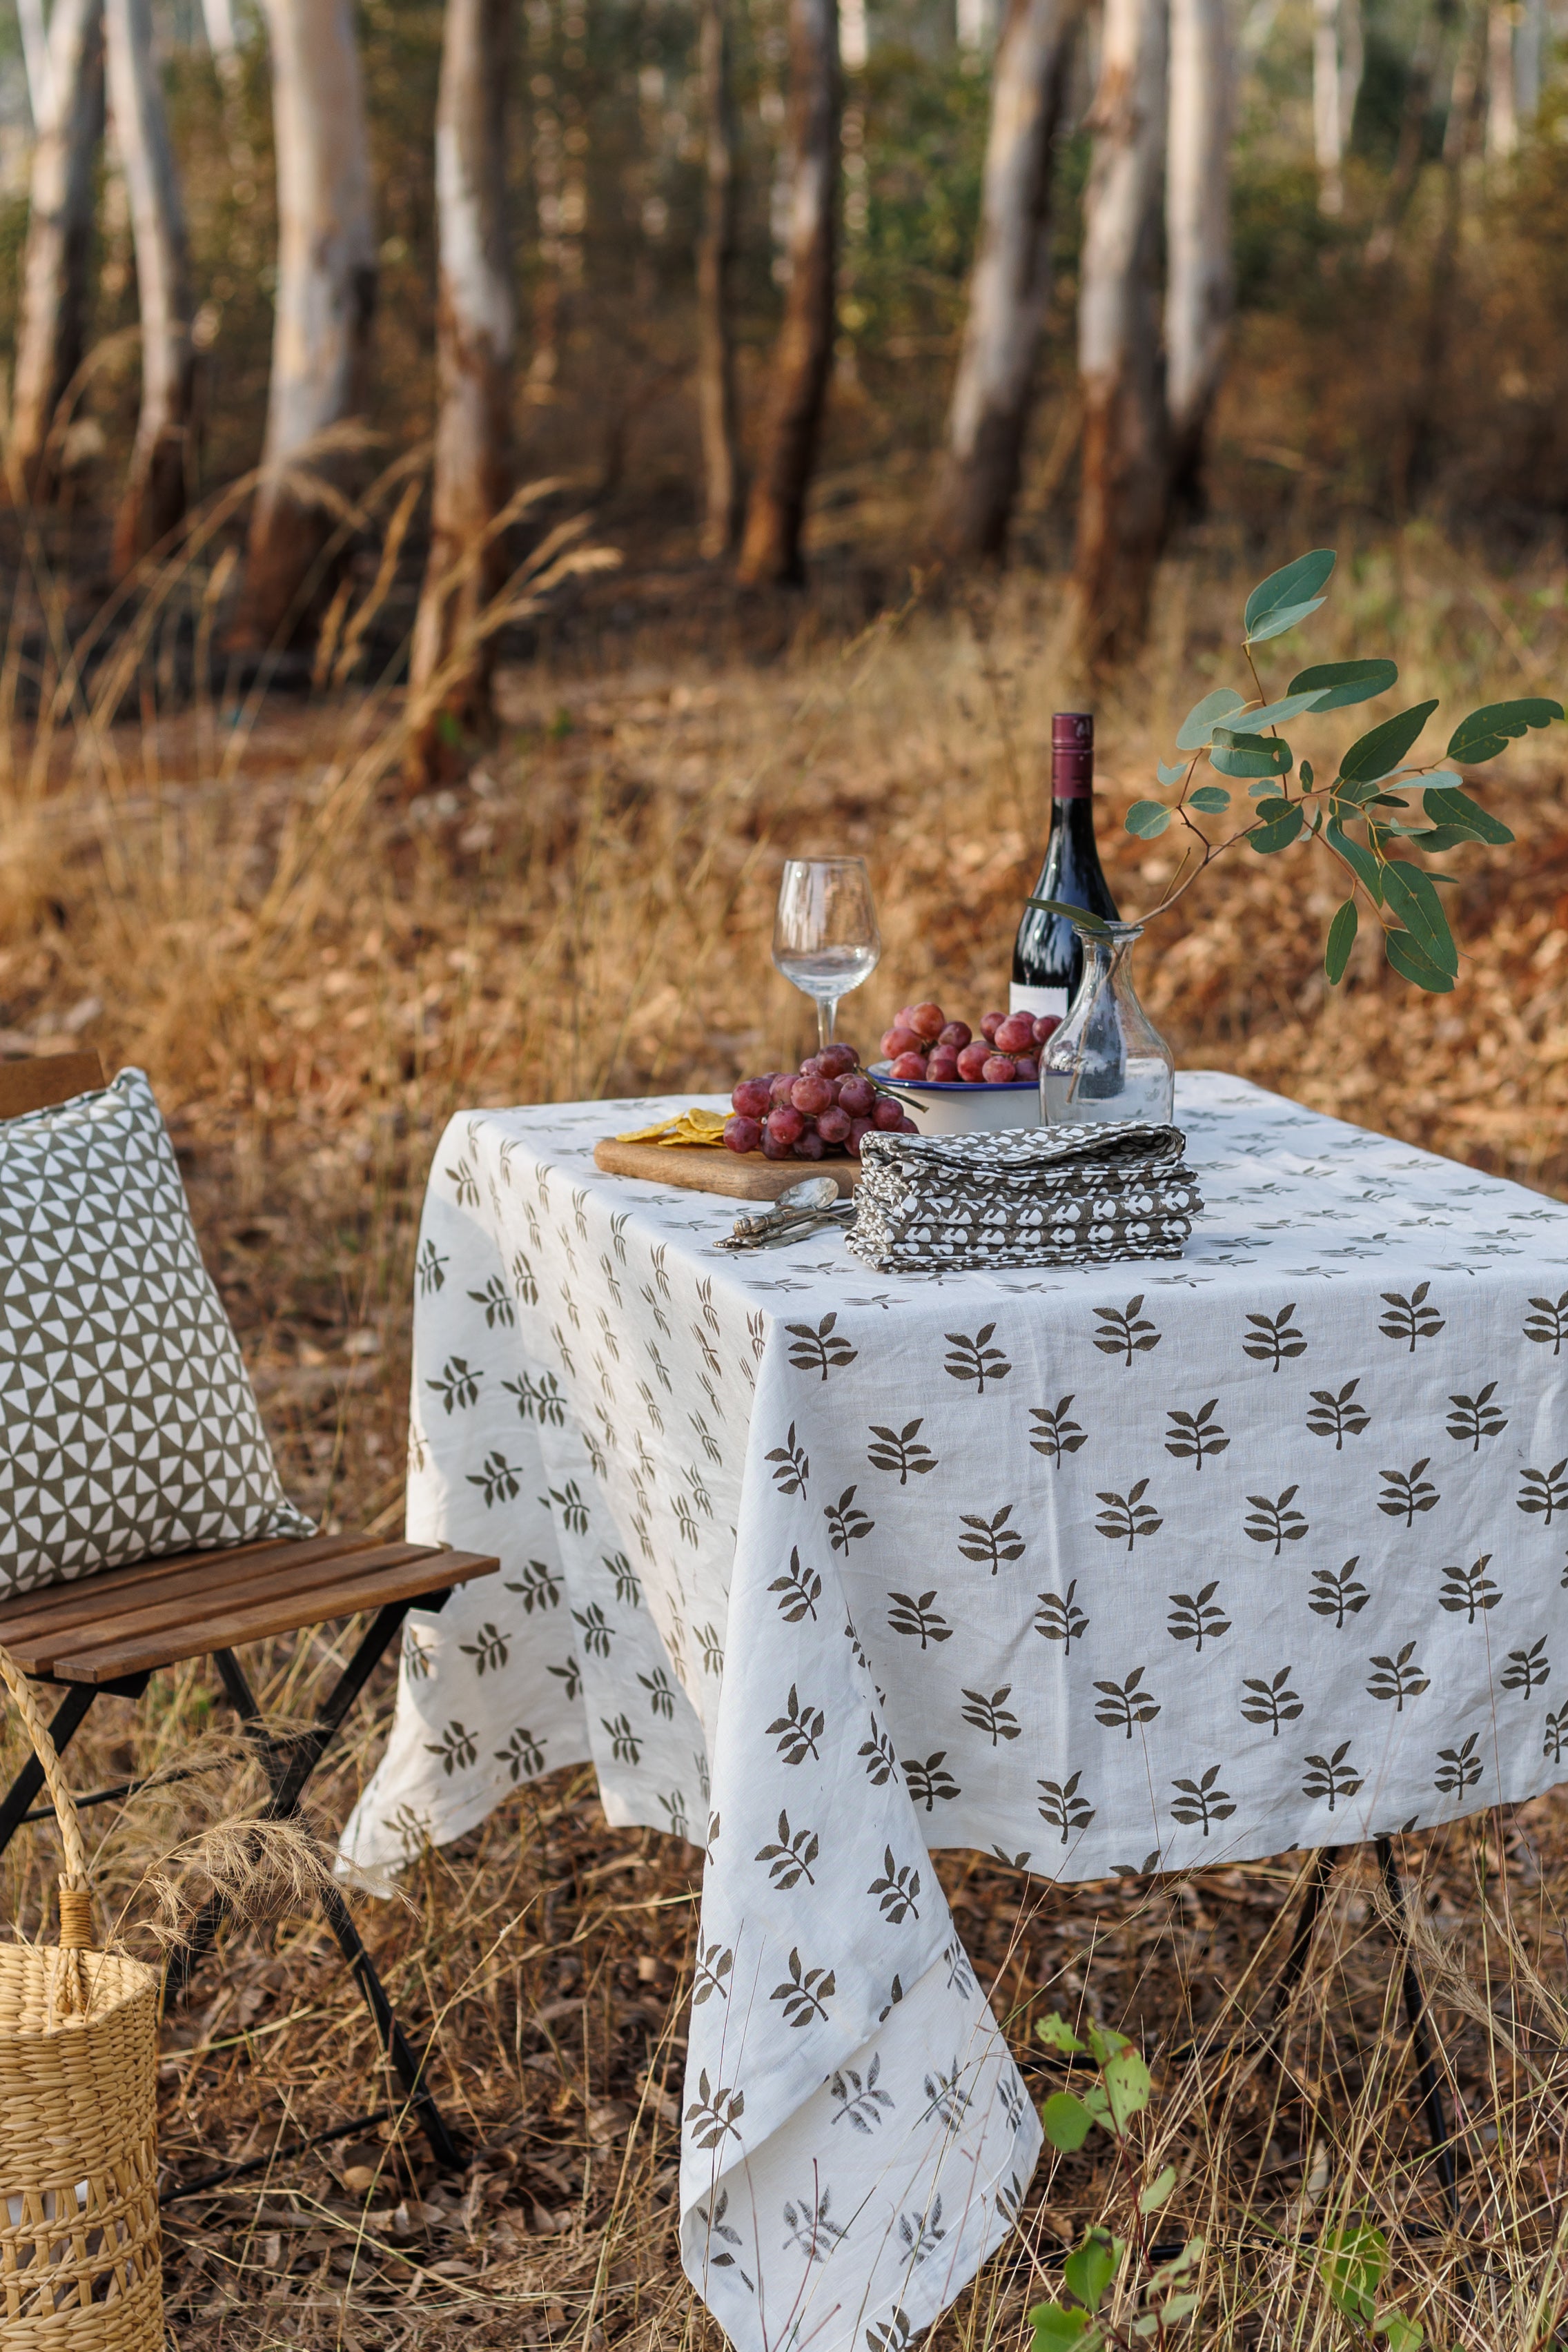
1037	1000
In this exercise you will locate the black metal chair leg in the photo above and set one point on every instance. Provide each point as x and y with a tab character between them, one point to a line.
288	1766
1420	2040
68	1721
1317	1887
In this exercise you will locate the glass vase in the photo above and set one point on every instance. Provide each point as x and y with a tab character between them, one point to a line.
1107	1062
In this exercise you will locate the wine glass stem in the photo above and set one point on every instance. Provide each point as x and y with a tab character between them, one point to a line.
827	1013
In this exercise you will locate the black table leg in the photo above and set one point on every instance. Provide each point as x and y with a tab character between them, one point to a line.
288	1764
1420	2040
23	1793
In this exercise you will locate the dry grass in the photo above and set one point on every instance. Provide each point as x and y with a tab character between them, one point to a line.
315	974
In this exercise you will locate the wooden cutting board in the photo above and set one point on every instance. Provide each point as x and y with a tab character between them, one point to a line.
698	1168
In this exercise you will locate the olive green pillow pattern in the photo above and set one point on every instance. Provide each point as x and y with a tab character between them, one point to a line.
127	1425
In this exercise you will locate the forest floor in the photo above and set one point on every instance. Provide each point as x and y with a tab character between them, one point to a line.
316	971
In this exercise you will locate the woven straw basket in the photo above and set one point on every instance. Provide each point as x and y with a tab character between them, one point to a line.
78	2204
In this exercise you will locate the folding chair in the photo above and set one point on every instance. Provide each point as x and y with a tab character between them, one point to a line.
110	1632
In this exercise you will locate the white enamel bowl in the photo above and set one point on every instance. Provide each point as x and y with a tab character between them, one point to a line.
947	1108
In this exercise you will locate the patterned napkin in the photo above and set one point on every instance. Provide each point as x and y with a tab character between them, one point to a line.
1043	1196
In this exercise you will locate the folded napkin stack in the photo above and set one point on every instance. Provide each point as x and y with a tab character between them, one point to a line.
1042	1196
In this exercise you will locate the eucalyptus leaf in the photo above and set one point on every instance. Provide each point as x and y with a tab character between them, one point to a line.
1066	2121
1238	755
1410	895
1490	729
1292	591
1054	2030
1210	798
1351	2263
1195	728
1275	714
1167	775
1127	2086
1376	754
1457	809
1341	938
1147	819
1089	2270
1057	2329
1177	2307
1079	915
1362	862
1158	2190
1281	829
1338	685
1401	2335
1410	963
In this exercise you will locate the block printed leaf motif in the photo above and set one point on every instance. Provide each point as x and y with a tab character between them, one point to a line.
810	2231
976	1359
896	1890
929	1780
1274	1522
490	1649
1410	1319
805	1992
1125	1703
1194	1436
917	1617
1547	1322
789	1860
992	1716
1338	1414
793	1464
847	1523
1476	1417
1556	1739
1196	1617
1406	1491
1199	1803
1061	1808
1458	1768
802	1590
523	1755
1270	1702
1469	1589
1338	1593
1542	1494
714	2114
1129	1515
901	1449
1059	1618
660	1693
798	1729
1273	1339
1125	1332
1332	1776
822	1349
1055	1431
1527	1669
878	1752
499	1481
863	2105
989	1542
1398	1678
626	1745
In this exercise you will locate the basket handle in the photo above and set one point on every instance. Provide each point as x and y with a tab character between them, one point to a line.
75	1892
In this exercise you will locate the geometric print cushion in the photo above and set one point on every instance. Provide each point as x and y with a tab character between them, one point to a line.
127	1424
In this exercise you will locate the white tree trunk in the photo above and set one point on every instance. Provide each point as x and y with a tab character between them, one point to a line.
35	61
1010	285
222	35
155	496
716	396
1197	229
51	334
1352	65
1502	116
770	549
1328	134
476	331
326	293
1530	42
1125	484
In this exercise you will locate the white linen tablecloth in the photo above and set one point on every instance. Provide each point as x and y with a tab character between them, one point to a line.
1144	1566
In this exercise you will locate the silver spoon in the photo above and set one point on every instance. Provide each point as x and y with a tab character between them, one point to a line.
795	1212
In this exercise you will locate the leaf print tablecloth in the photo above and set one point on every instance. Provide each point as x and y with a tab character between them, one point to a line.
1094	1568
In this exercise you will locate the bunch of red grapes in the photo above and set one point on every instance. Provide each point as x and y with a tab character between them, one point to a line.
925	1043
824	1107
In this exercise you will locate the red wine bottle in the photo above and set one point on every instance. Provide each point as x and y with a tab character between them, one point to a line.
1047	956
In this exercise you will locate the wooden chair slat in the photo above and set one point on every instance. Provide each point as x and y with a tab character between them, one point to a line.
88	1599
153	1614
45	1080
257	1621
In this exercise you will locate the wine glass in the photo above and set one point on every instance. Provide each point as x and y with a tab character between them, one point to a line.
826	939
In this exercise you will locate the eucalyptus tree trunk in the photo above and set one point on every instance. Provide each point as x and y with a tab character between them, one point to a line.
1122	501
476	331
326	293
154	494
223	37
1502	97
1197	233
1010	285
770	550
1327	133
1530	41
715	260
51	334
36	58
